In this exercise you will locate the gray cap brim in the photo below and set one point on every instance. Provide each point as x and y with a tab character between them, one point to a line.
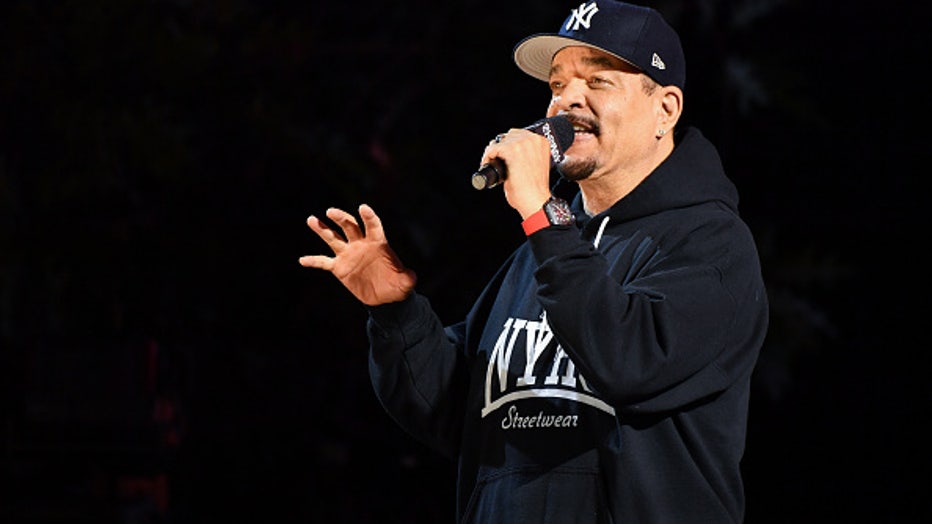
534	55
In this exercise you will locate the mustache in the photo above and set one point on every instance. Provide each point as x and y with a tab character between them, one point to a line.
589	124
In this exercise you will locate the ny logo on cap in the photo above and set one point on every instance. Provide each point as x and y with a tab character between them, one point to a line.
581	16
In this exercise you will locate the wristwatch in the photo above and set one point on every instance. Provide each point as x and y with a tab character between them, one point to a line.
556	212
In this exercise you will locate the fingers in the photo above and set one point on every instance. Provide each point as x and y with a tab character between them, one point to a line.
496	147
351	233
347	223
317	262
491	151
372	222
333	240
502	137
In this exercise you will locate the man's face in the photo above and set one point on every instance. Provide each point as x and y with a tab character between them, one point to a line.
614	117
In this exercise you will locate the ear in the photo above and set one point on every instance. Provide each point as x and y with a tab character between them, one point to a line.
669	107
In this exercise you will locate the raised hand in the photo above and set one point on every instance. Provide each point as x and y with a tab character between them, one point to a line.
363	261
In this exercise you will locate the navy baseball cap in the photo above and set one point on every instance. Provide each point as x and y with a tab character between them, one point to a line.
638	35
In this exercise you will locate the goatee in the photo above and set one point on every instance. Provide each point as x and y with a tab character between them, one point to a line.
576	170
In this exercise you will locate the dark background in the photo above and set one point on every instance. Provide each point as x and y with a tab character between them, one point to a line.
166	359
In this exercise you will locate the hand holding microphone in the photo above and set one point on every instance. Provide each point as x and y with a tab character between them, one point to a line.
557	130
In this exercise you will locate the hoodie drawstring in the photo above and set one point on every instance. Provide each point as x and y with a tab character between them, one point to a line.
598	236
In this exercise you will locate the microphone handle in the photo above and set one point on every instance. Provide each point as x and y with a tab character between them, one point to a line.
489	175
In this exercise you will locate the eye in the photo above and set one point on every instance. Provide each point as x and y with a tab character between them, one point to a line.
598	81
556	86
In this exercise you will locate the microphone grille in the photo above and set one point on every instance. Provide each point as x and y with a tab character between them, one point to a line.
562	131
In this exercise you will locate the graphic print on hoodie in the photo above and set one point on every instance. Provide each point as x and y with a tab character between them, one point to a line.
541	424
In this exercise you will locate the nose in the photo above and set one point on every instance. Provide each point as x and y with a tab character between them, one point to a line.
572	96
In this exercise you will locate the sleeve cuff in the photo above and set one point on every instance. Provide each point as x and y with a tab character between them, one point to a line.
535	222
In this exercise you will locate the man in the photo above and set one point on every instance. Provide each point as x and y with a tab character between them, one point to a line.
603	374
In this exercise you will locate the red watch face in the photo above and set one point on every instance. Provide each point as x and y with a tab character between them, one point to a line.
558	212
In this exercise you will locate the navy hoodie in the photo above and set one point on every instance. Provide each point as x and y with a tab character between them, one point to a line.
603	374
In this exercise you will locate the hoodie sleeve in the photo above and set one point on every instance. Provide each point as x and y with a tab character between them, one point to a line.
420	369
665	321
414	365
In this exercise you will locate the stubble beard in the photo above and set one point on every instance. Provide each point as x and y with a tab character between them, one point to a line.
576	170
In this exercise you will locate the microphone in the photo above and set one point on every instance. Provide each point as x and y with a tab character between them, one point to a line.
556	129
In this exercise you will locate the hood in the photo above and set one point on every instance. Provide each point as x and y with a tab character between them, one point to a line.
691	175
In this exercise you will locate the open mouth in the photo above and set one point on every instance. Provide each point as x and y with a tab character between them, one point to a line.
583	125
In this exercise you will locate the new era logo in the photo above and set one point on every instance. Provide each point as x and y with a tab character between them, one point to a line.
581	16
657	62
